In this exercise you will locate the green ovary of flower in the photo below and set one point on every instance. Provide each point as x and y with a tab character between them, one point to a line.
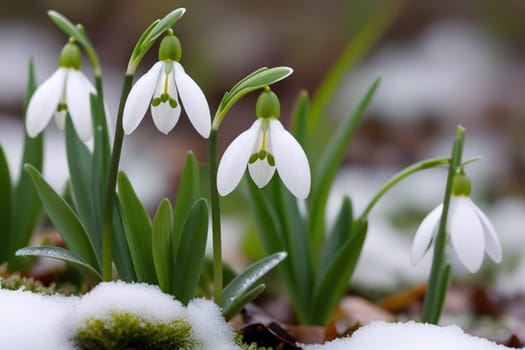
461	184
70	56
170	48
268	106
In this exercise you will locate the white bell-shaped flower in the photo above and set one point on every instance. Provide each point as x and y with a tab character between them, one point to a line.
160	89
66	90
265	147
470	231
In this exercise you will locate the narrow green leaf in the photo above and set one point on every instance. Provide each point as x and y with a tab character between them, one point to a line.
27	208
238	303
91	275
79	160
64	219
337	237
137	227
188	193
246	280
359	46
190	256
161	242
300	118
150	34
163	25
256	80
5	208
121	252
330	161
297	242
78	34
331	286
68	28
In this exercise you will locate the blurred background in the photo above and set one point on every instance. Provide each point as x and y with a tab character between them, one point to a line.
442	63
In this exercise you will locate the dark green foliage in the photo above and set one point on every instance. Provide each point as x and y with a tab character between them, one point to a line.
121	331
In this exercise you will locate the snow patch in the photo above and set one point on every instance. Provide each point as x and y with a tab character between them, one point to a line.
408	336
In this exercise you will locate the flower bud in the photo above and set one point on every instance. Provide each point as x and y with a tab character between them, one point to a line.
461	184
70	56
268	105
170	48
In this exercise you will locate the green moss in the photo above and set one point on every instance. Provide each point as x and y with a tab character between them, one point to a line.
17	282
249	346
123	331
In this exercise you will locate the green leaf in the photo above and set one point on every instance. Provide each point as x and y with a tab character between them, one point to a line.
238	304
79	160
190	256
121	253
338	237
79	34
327	169
64	219
244	282
300	120
188	193
92	275
5	208
256	80
297	245
27	208
150	34
161	243
359	46
331	286
163	25
137	228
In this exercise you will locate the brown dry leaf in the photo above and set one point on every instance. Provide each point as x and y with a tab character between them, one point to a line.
401	300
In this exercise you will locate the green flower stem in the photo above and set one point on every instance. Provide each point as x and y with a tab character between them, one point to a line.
427	164
215	220
107	258
440	274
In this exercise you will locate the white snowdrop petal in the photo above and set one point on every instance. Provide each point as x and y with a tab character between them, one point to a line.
78	89
492	243
290	160
60	119
466	232
164	116
424	234
261	172
139	98
235	158
44	102
194	101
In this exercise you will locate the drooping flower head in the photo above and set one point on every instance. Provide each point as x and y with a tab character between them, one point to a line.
160	88
66	90
471	232
265	147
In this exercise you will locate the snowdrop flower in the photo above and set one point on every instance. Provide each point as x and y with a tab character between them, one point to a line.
469	229
265	147
67	90
160	87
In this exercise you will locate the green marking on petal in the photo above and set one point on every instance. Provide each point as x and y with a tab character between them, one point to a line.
173	103
164	97
262	154
155	102
270	159
253	158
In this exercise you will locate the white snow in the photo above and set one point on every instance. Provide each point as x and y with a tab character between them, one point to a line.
32	321
209	326
408	336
